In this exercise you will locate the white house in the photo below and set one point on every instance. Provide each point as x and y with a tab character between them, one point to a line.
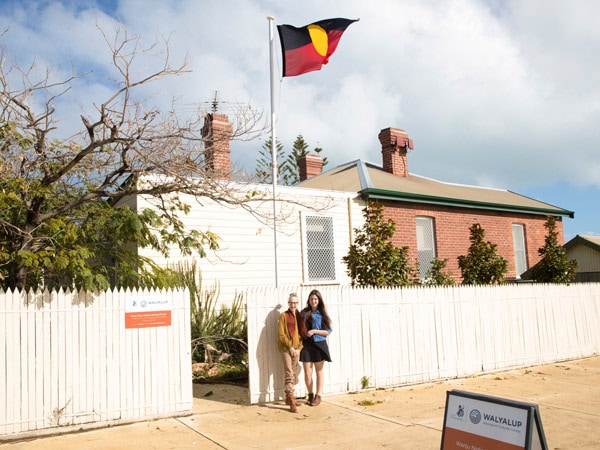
314	230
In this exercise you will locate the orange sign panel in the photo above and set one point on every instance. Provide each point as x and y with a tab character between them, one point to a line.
145	311
148	319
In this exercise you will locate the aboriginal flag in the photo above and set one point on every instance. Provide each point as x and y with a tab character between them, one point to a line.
307	48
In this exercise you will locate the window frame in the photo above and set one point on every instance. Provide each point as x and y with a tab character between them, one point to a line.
306	259
431	231
520	255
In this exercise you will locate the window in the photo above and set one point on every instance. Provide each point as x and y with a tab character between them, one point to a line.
319	249
425	244
518	232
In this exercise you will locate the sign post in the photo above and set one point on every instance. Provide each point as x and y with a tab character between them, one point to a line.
481	422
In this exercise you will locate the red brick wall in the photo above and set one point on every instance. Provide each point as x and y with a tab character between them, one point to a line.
309	165
394	146
451	226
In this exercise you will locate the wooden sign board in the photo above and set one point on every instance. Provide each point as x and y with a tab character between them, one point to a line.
481	422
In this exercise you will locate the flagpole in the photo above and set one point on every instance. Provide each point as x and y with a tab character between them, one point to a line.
274	174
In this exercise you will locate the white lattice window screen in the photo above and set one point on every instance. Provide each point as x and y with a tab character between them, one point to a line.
425	244
518	232
320	251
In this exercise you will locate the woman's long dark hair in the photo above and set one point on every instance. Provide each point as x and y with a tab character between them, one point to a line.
307	312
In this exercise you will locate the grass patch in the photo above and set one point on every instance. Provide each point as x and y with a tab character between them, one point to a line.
369	402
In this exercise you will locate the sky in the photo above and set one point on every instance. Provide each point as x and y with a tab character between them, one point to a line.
494	93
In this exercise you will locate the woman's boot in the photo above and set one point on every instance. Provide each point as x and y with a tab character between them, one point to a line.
311	397
316	401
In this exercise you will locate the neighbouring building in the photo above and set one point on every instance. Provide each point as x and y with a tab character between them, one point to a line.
586	251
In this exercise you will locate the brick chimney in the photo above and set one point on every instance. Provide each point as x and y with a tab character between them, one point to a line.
309	166
394	146
216	133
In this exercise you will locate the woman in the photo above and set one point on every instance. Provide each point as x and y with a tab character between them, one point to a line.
291	331
315	350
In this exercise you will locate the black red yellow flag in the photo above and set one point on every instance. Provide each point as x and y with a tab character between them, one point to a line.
307	48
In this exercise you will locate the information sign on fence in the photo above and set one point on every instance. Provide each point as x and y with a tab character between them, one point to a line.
148	311
481	422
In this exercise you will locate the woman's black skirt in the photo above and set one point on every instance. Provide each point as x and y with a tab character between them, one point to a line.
314	351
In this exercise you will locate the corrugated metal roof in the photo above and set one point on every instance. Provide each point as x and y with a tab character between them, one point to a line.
373	182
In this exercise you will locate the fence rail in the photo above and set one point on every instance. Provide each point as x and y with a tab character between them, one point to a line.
70	360
402	336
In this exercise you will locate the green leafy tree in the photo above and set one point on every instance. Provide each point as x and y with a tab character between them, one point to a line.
60	220
435	276
482	265
553	267
373	260
264	164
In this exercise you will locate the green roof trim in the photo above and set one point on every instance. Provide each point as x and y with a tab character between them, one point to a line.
384	194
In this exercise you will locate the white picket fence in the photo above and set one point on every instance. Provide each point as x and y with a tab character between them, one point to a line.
67	360
413	335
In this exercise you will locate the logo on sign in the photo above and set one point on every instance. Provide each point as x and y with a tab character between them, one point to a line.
475	416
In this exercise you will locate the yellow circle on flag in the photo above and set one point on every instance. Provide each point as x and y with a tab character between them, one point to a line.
319	39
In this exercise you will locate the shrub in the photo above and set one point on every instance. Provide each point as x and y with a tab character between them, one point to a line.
435	276
217	334
373	260
554	267
483	264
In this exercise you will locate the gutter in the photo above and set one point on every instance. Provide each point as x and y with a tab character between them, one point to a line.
383	194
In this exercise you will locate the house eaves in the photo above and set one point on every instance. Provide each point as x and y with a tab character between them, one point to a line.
383	194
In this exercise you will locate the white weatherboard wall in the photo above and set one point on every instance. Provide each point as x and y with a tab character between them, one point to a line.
67	360
412	335
246	256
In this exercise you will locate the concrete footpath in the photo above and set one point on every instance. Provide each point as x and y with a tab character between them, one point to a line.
409	417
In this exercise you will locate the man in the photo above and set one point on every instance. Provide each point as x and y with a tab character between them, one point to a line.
291	330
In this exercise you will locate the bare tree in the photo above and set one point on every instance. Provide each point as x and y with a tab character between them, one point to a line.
58	222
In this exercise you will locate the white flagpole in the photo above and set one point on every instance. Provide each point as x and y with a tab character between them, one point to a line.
274	174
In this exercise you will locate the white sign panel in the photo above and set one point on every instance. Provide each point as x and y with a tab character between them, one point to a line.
480	422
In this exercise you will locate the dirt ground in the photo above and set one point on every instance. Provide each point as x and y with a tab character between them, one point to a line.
408	417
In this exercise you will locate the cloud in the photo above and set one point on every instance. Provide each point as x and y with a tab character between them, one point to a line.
500	93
